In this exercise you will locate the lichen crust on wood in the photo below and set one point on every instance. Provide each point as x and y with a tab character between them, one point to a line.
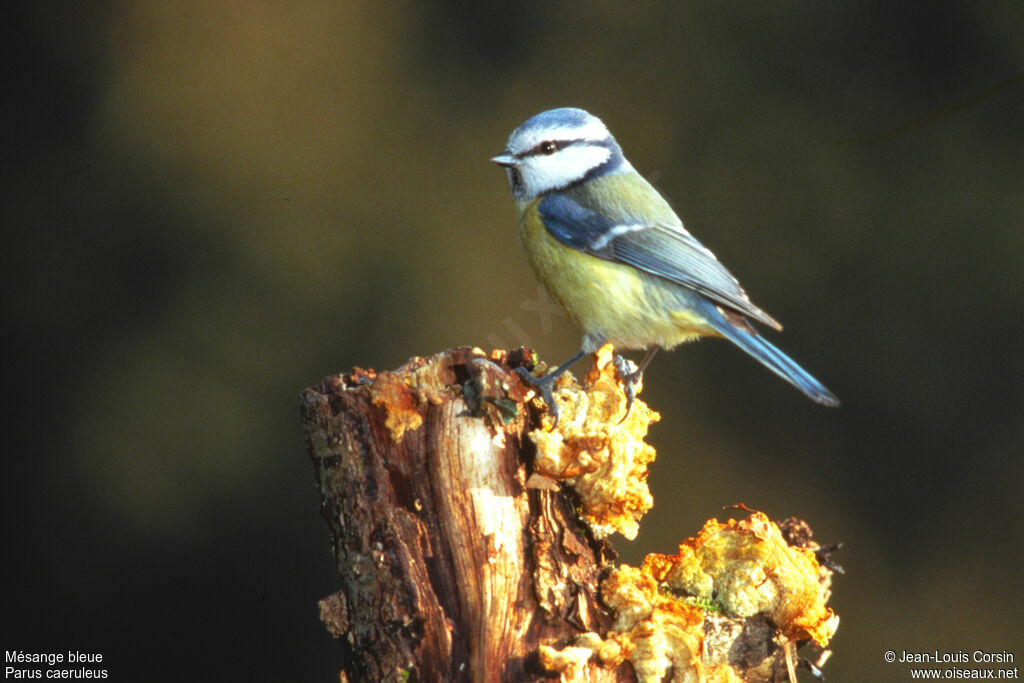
469	531
732	604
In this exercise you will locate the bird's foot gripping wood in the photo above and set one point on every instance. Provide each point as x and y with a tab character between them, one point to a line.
545	385
631	377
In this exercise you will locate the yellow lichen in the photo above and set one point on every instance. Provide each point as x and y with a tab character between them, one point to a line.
405	393
748	568
745	566
666	634
391	392
572	661
600	454
662	638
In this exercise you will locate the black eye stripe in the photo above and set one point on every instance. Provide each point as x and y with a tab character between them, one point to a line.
539	149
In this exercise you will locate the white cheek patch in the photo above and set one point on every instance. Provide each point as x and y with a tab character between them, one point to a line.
544	173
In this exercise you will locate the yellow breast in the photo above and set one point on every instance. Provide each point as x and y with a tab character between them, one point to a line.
607	300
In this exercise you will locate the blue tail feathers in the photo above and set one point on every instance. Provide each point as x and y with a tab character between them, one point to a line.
774	359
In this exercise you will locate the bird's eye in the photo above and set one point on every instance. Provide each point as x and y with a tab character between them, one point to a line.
548	147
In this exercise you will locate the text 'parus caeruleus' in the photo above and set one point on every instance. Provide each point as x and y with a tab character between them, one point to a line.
608	248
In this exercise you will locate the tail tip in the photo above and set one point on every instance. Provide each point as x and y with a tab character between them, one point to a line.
825	398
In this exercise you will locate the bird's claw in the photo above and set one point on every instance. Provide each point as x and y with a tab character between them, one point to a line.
630	376
545	385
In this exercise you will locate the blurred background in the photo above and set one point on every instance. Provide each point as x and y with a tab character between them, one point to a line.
210	206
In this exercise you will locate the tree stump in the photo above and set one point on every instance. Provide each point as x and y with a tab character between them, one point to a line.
468	532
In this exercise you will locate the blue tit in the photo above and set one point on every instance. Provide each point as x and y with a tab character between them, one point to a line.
611	251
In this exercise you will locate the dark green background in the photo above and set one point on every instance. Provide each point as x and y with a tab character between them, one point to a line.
210	206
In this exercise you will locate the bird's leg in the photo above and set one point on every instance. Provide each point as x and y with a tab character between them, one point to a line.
631	378
546	384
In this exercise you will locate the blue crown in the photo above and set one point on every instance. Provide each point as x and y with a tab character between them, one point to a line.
568	117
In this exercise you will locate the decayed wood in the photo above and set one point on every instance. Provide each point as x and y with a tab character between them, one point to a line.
460	558
451	568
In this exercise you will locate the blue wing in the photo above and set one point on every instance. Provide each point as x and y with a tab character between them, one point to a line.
667	251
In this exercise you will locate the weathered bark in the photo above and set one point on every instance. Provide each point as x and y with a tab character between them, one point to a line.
451	568
461	558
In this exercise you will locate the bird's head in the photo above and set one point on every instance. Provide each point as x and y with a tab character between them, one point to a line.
556	149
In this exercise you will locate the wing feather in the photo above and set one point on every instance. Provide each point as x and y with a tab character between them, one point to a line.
667	251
